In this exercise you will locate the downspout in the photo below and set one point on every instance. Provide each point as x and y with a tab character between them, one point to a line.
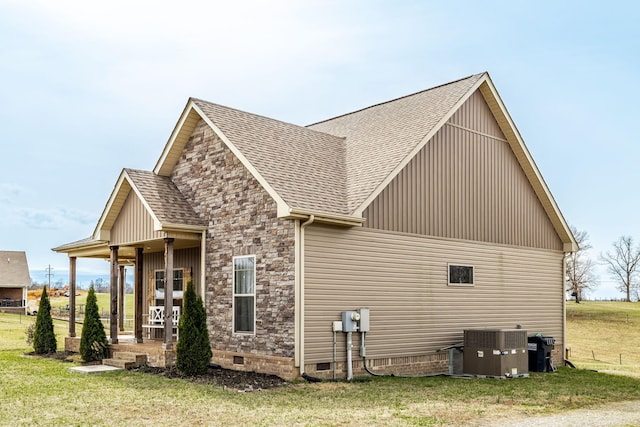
564	306
300	259
203	265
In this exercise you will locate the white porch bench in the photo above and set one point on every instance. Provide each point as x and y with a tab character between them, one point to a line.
156	319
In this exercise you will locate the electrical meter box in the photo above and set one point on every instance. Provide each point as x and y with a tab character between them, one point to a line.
350	321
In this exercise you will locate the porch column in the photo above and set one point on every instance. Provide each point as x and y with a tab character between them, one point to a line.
121	286
113	288
168	294
72	296
137	292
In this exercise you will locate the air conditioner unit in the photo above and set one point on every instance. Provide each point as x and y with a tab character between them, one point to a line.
495	352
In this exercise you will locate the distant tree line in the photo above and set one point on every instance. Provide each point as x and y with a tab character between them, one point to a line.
622	263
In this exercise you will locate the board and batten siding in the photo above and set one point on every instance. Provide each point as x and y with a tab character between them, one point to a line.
466	183
182	258
134	224
403	279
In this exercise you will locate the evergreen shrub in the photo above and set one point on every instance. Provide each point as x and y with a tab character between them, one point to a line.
193	351
44	337
93	342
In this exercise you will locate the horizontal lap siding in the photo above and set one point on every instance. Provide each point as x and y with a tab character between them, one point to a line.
403	280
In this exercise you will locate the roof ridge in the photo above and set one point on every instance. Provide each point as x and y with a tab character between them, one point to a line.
306	128
138	170
396	99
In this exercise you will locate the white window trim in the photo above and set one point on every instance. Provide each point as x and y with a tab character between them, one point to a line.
456	284
176	294
233	299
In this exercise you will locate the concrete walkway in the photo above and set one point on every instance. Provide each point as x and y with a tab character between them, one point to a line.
93	369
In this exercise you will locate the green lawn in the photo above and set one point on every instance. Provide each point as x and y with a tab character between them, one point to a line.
59	305
604	335
40	391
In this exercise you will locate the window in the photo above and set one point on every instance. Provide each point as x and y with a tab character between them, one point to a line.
178	283
244	294
460	275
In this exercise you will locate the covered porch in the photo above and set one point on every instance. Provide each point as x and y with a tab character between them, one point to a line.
155	317
146	224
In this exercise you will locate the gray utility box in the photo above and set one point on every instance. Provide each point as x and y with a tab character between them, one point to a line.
495	352
350	321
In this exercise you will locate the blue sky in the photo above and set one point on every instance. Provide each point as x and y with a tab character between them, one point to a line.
88	88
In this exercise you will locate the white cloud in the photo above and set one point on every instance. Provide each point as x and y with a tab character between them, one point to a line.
9	192
53	219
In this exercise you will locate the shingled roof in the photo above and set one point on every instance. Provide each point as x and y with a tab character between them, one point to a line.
158	194
382	138
306	168
332	169
14	270
166	203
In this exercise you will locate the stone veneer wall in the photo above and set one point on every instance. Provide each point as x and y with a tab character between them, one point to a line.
242	220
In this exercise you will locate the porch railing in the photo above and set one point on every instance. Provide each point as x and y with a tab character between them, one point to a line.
6	302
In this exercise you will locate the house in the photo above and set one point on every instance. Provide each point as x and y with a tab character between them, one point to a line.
14	281
427	210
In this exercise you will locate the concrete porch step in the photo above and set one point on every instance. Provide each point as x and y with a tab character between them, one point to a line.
139	358
126	360
119	363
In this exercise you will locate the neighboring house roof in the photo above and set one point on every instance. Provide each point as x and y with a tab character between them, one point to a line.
14	270
332	169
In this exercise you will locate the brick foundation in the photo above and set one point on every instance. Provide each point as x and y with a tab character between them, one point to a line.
280	366
72	344
402	365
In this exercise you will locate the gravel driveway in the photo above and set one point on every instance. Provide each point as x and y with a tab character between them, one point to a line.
612	414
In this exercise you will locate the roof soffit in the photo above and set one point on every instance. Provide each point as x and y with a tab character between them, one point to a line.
112	208
177	140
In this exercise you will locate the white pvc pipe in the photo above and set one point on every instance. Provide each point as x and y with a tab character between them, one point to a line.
335	345
349	357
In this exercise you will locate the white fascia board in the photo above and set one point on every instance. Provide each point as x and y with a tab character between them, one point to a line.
522	148
360	210
99	233
168	148
182	228
324	217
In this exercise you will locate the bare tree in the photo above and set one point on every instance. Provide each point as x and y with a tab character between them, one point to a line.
579	268
623	264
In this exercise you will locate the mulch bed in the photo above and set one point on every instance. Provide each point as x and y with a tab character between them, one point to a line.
65	356
227	378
